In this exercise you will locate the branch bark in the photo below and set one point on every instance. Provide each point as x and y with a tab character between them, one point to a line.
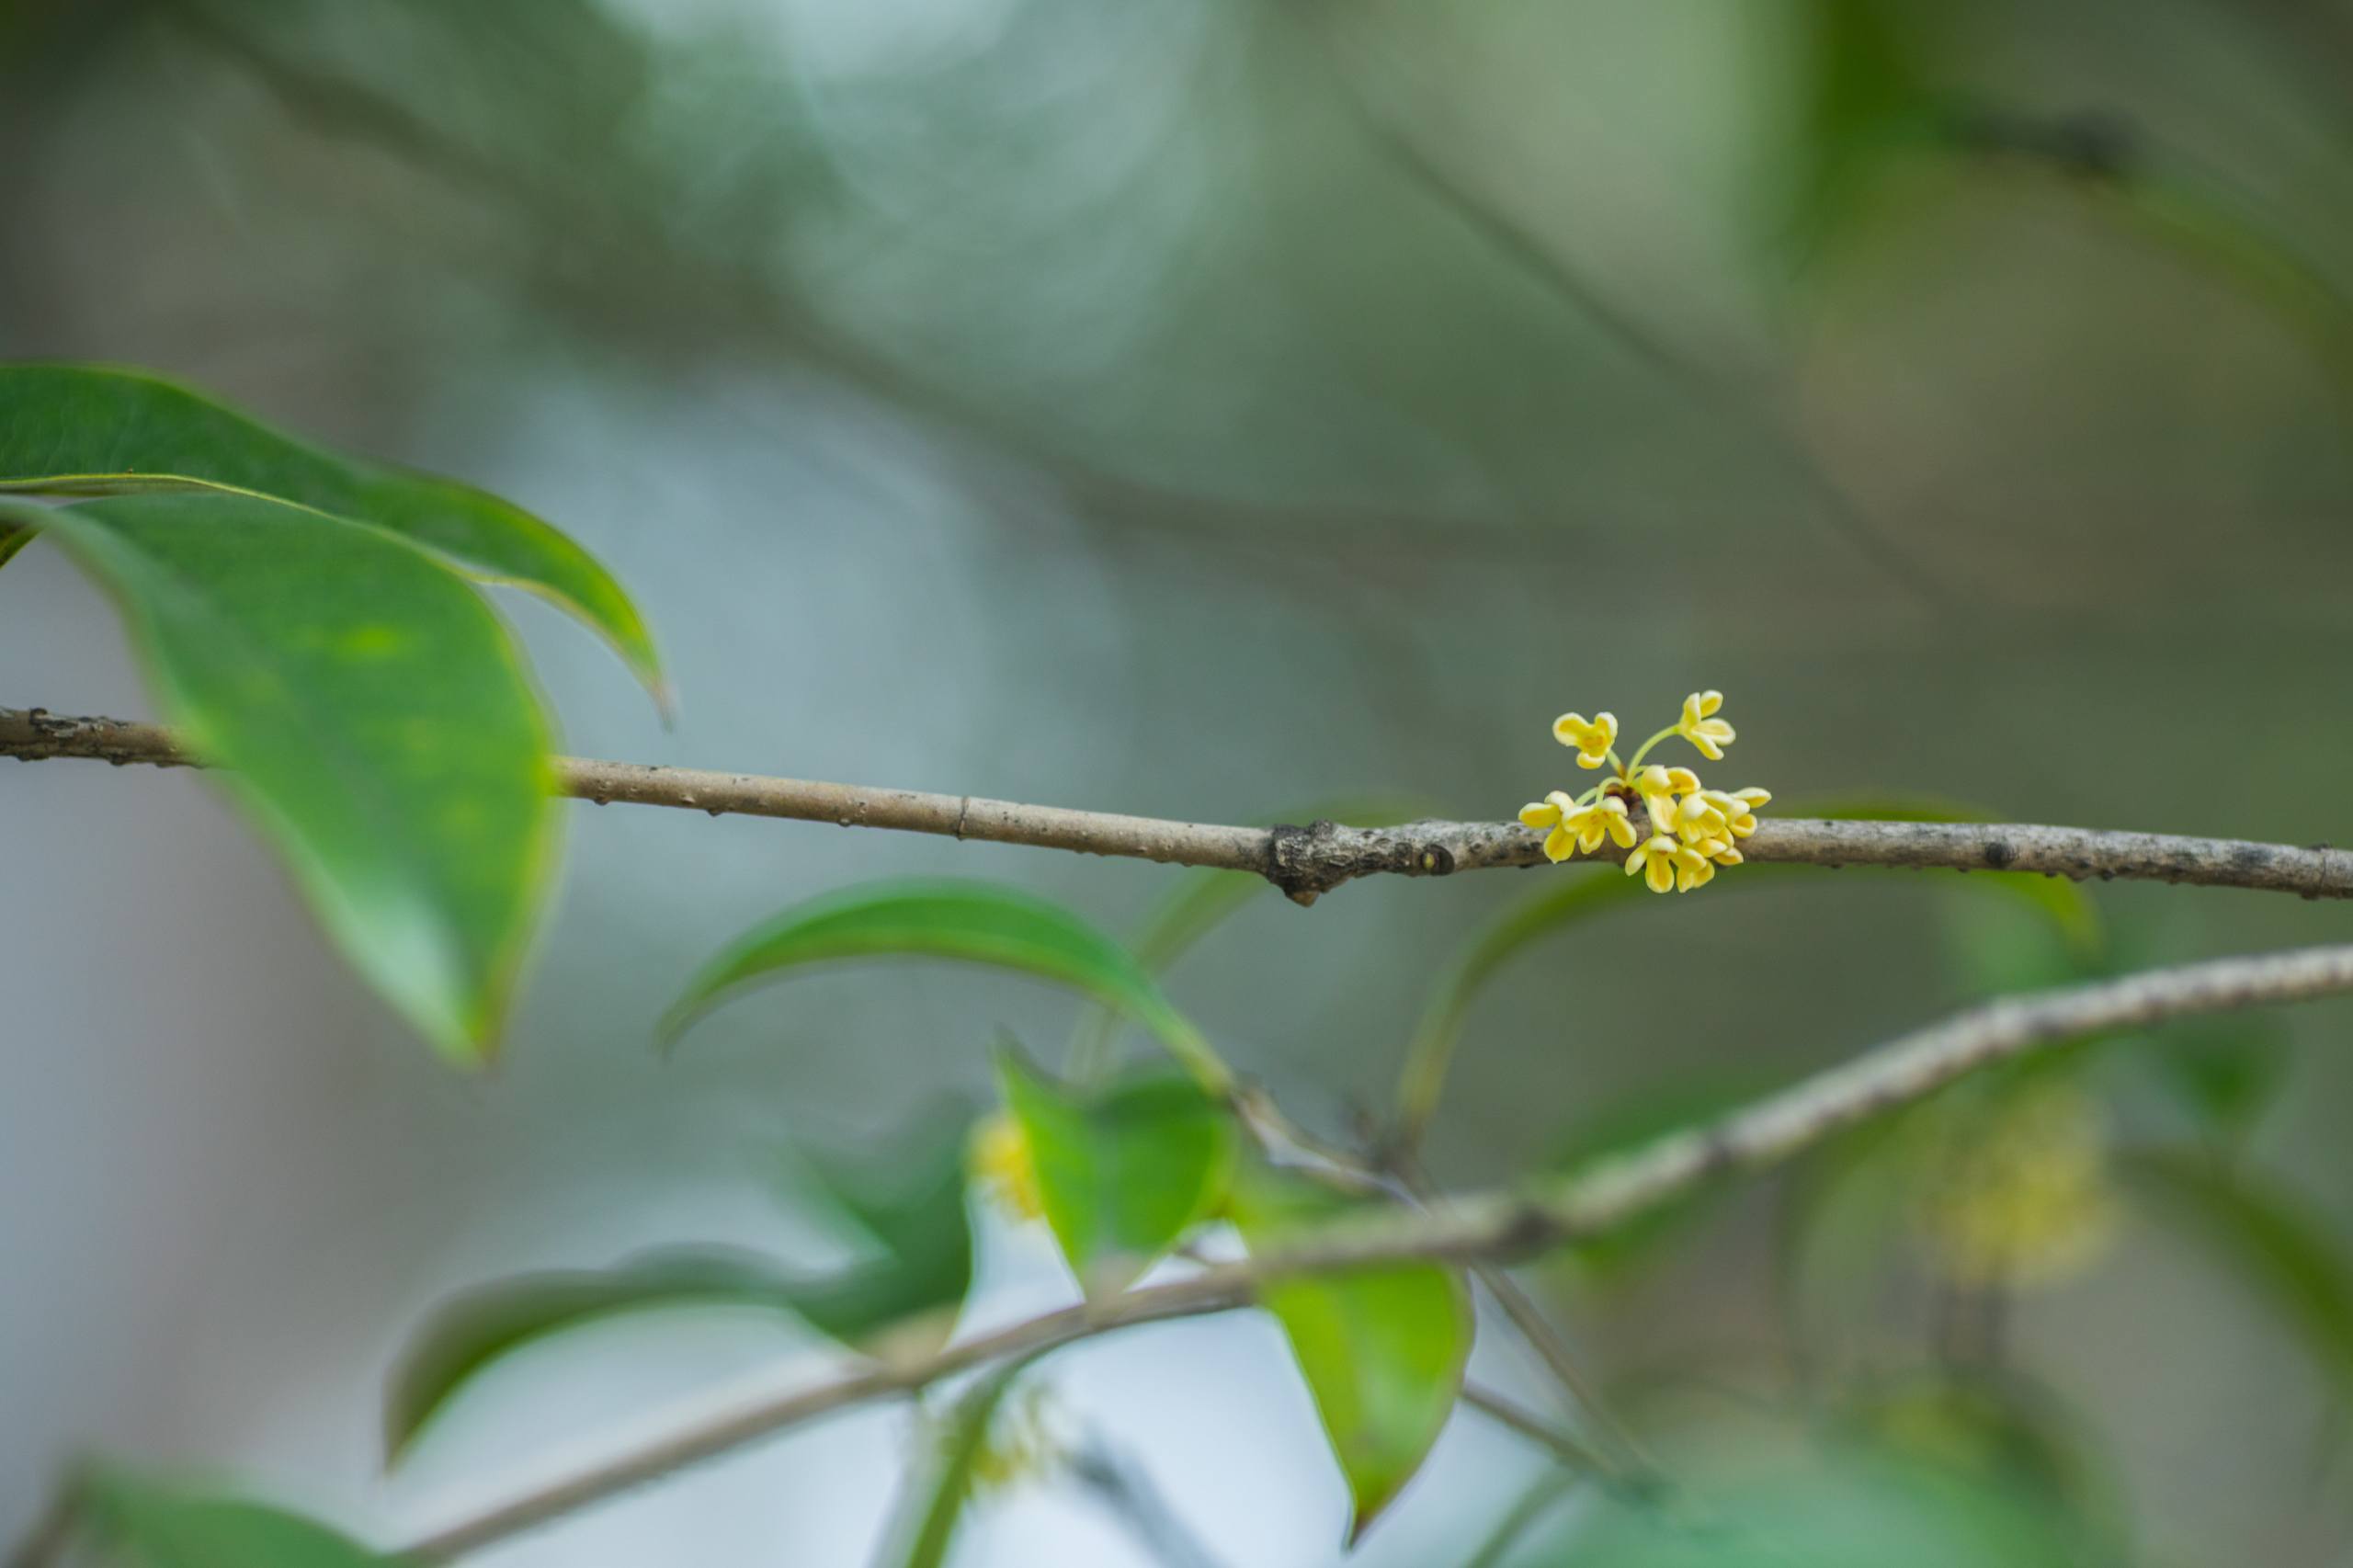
1307	861
1499	1226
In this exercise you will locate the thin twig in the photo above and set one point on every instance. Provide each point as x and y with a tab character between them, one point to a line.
1500	1226
1632	1460
1126	1491
1510	1413
1314	859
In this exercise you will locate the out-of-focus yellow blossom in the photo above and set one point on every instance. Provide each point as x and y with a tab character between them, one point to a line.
1001	1164
1592	739
1710	736
1691	831
1022	1443
2020	1196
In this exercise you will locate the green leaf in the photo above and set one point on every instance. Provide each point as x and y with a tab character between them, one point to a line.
1122	1170
1383	1350
1865	96
1627	1126
932	1507
906	1289
91	430
374	721
1848	1510
157	1526
2223	1071
2266	1237
973	922
471	1331
1199	900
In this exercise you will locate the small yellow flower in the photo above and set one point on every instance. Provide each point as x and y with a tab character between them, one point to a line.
1710	735
1605	818
1658	787
1655	858
1553	812
1699	817
1000	1162
1738	807
1692	867
1592	739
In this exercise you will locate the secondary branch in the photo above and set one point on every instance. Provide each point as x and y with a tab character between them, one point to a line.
1497	1226
1305	861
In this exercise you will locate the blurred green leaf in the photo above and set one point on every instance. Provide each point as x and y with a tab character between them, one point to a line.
1383	1350
1123	1170
1627	1125
2003	1431
157	1526
2223	1071
373	719
908	1206
92	429
1591	891
468	1333
932	1505
972	922
1865	95
1200	900
1850	1510
2265	1237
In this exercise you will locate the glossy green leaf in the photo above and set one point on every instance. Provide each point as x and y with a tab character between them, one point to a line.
1383	1350
909	1209
972	922
151	1525
1124	1169
932	1506
2268	1239
373	719
97	430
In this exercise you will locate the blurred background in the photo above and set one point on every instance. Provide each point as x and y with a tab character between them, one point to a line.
1203	408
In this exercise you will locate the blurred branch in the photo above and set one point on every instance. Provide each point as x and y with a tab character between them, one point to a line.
1305	862
1127	1493
1492	1225
744	295
1520	1518
1434	176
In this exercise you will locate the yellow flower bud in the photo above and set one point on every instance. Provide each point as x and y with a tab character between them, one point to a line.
1000	1163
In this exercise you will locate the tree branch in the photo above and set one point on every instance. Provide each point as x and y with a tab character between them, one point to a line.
1308	861
1495	1225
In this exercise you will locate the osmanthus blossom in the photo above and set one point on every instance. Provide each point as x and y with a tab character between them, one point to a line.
1686	830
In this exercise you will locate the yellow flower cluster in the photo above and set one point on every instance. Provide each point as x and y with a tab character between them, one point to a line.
1686	830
